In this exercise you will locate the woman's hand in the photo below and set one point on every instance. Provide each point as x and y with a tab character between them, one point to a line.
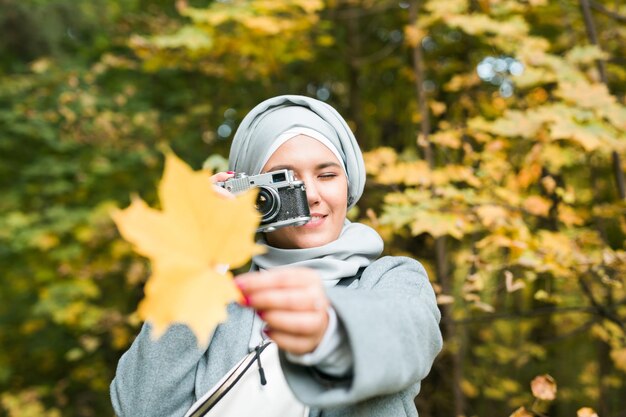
220	177
292	302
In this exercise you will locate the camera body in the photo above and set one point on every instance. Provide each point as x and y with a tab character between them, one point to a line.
281	201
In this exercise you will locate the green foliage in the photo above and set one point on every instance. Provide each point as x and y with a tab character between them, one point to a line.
521	189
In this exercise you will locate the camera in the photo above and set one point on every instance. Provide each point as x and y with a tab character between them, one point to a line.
281	201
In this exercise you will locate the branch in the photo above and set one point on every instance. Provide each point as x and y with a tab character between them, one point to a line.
378	55
602	9
593	38
599	308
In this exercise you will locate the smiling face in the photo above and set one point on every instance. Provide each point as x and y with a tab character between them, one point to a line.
326	189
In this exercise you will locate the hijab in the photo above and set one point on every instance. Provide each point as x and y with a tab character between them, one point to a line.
262	130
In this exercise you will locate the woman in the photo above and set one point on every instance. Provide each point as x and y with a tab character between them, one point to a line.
356	351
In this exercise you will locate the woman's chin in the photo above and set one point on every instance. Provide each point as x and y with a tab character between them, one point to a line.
300	238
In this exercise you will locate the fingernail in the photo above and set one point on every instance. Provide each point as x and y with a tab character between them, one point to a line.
246	300
266	331
230	172
261	314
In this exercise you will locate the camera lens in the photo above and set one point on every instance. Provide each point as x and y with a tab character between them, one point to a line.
267	203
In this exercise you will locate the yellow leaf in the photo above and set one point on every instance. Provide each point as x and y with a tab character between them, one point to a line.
619	358
438	224
447	8
413	35
538	206
188	294
222	230
378	159
512	284
555	157
443	299
543	387
477	24
469	389
589	137
447	138
586	95
569	217
586	412
462	82
492	215
437	107
484	307
548	183
521	412
195	234
587	54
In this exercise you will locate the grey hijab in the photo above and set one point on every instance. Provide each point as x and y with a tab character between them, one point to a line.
358	245
269	119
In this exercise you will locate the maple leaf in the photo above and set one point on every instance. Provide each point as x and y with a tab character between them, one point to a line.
190	241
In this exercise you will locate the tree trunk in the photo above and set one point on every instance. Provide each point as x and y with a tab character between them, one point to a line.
354	72
593	39
443	273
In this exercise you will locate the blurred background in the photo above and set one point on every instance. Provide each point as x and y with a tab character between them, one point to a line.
495	133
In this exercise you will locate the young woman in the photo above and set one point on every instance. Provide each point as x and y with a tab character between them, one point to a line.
355	351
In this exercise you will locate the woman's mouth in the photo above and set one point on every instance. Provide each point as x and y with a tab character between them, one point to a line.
316	221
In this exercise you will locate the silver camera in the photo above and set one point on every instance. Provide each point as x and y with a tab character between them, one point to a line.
281	201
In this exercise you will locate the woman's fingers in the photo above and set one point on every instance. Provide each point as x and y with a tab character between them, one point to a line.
295	344
297	289
293	303
277	278
296	323
220	177
298	299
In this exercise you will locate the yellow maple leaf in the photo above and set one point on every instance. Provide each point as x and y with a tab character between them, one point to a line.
190	241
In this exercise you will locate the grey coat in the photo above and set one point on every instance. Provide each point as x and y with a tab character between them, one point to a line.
391	319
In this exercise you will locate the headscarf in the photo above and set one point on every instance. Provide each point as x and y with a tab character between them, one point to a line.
357	245
271	118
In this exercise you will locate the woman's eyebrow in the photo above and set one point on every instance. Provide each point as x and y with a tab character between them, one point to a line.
317	167
278	167
327	165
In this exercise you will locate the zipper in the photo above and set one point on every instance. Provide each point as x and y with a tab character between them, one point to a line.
257	357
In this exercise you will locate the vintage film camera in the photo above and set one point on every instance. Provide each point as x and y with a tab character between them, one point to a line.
281	200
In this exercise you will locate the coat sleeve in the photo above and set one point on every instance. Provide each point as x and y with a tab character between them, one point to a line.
392	323
157	377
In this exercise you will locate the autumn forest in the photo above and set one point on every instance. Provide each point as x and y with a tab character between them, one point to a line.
494	134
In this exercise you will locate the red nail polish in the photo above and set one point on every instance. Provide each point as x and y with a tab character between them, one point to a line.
261	314
230	172
246	301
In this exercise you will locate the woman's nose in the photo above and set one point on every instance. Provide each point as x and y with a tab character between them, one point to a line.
312	193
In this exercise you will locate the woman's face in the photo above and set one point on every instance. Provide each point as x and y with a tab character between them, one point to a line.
326	189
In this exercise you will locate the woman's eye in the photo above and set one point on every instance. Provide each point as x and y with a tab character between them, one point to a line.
328	175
